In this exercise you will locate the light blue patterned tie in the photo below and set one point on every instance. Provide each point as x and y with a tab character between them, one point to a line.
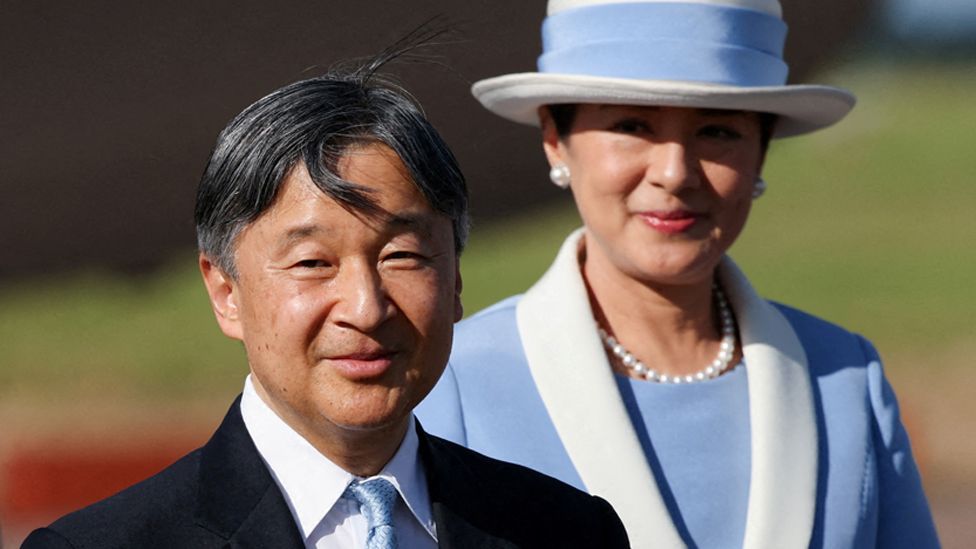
376	497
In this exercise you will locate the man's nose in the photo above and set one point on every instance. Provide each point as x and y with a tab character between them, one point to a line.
671	166
361	301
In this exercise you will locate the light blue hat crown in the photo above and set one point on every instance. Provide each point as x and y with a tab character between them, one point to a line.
714	42
721	54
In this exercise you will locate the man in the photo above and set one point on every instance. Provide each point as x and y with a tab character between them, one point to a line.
330	218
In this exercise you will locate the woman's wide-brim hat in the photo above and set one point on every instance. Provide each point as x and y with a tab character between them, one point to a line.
714	54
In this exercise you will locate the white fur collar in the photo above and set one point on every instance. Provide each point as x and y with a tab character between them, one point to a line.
578	388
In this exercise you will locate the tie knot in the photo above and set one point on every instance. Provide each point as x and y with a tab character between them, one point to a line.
376	497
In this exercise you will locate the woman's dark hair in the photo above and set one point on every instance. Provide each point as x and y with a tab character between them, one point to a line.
316	122
563	115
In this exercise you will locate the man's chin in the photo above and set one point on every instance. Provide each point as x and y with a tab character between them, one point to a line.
374	423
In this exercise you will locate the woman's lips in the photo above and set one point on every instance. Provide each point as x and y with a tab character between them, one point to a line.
361	366
670	221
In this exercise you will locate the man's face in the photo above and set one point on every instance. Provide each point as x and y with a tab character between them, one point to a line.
347	319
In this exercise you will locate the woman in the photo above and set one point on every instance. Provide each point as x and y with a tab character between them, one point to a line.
643	366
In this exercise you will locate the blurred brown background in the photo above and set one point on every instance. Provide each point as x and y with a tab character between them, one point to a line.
110	109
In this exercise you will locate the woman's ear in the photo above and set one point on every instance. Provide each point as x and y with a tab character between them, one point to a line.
458	286
223	293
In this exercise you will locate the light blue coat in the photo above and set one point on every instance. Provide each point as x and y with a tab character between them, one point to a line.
829	461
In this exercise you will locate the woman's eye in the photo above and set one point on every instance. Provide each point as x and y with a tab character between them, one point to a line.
631	125
721	132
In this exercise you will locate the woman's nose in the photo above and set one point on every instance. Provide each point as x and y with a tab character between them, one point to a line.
670	166
361	301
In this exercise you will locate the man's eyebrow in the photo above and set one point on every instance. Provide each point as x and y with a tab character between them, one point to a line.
300	232
400	221
408	220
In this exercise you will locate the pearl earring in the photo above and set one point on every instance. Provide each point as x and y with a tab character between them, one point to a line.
758	188
560	176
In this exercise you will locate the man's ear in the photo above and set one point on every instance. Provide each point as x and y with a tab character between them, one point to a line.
223	293
458	285
551	144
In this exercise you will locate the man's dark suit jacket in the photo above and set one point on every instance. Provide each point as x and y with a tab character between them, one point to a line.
222	495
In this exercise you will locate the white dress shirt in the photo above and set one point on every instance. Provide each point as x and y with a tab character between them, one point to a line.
313	485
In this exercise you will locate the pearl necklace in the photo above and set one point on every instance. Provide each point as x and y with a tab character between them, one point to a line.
714	368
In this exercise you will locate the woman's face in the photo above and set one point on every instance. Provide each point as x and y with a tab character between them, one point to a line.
663	191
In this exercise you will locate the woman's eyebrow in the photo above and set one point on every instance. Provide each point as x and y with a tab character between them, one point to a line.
720	112
639	108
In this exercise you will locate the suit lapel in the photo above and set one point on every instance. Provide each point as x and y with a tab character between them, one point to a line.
238	500
456	532
456	500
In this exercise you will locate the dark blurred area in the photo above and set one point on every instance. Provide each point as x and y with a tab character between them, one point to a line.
108	110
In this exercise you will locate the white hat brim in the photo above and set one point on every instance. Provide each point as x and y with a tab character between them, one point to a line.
801	108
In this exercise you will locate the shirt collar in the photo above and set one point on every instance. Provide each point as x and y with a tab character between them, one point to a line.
312	483
406	473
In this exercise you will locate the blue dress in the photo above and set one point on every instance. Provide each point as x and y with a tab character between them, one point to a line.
700	477
698	441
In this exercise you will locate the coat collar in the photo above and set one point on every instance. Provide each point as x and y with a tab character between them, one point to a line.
238	500
596	430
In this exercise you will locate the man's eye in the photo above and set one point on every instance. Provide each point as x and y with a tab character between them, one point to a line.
403	254
312	264
405	259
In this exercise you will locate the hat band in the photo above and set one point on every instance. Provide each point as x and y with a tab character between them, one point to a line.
666	41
